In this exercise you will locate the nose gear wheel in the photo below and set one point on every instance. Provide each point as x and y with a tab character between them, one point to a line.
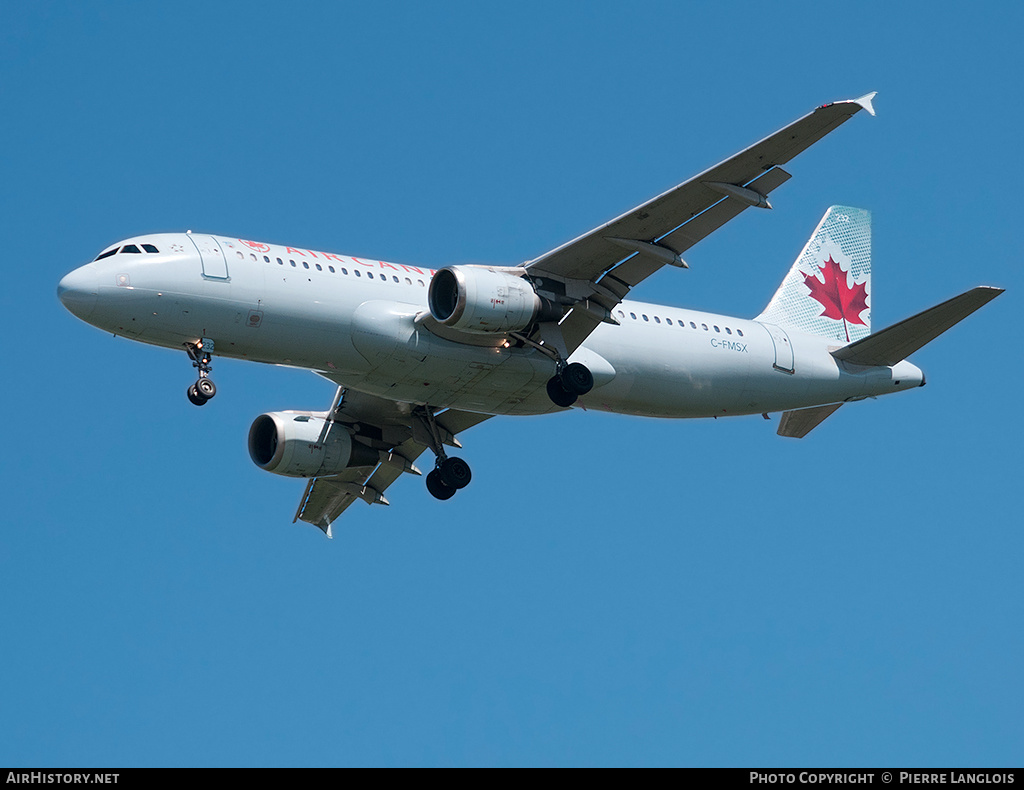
194	397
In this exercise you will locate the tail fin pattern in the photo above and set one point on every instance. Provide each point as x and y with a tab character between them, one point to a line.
828	289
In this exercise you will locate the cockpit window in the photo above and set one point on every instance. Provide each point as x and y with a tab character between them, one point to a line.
149	248
107	254
131	248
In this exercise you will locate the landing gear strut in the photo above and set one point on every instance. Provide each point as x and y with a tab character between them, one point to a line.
569	382
204	388
450	473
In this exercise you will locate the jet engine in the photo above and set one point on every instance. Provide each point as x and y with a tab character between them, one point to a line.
296	444
481	300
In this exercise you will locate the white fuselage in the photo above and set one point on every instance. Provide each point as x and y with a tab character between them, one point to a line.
355	321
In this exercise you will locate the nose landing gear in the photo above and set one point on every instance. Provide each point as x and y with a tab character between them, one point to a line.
204	388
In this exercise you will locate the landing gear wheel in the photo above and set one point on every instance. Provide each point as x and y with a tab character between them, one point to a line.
558	393
205	388
577	379
195	397
437	488
454	473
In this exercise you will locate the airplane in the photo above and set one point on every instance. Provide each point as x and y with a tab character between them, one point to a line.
419	356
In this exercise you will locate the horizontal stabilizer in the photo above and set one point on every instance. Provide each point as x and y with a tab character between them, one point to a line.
899	341
800	422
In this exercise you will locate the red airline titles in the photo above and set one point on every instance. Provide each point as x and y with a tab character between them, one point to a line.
373	265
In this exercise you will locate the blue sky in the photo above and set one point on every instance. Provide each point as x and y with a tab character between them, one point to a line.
608	590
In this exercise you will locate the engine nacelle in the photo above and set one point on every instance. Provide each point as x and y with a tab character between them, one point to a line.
288	443
482	300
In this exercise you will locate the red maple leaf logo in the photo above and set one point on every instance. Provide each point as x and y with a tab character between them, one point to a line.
256	245
841	302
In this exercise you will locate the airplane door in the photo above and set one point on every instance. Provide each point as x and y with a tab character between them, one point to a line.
783	348
215	265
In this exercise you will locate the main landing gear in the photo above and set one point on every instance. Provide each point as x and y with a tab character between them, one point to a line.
450	473
204	388
569	382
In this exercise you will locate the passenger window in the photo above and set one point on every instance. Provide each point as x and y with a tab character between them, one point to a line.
106	254
657	320
357	272
739	332
645	316
370	275
705	327
420	282
633	316
693	325
728	331
240	255
319	268
331	268
408	281
305	265
292	263
149	248
668	321
280	262
344	270
718	330
253	256
266	259
131	248
394	277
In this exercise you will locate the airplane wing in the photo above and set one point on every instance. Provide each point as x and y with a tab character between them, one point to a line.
391	428
595	271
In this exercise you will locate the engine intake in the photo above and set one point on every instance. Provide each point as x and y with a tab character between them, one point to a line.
482	300
288	443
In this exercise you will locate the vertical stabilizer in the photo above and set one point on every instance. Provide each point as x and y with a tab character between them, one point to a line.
828	290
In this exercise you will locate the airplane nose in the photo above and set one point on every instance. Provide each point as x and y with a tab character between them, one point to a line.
79	290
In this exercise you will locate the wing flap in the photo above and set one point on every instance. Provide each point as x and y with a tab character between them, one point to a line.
703	225
635	270
456	421
326	498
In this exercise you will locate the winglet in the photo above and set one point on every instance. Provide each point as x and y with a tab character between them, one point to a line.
865	101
